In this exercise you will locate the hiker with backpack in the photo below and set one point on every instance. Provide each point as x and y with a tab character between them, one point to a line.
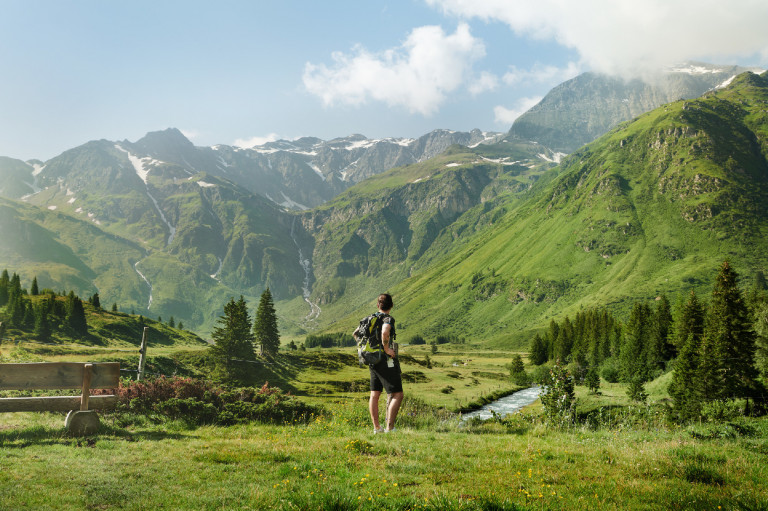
376	337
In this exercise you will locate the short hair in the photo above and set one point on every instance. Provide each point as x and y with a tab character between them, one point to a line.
385	301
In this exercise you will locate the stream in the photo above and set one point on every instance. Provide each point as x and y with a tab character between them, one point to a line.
507	404
306	264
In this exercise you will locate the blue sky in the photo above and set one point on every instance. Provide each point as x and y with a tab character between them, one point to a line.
239	72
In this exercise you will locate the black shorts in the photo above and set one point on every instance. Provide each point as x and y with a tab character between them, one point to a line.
386	378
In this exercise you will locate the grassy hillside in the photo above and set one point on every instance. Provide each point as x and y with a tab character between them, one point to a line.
652	207
625	457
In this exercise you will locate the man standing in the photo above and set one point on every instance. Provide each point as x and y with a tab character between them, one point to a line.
386	374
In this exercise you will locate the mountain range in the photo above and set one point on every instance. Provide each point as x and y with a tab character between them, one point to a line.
478	235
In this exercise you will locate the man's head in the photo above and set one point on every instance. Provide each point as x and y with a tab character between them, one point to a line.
385	302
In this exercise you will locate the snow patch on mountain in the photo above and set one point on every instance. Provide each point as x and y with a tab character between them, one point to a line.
205	184
140	165
317	170
289	203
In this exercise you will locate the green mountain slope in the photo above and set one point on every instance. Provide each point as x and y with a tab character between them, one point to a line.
652	207
197	239
380	231
579	110
66	253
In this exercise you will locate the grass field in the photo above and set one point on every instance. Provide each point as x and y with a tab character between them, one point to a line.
432	461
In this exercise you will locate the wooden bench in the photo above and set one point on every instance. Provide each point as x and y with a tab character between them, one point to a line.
81	420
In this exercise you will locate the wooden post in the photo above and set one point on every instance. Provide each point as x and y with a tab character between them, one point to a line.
86	395
143	353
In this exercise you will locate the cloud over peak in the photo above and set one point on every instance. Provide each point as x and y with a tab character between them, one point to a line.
630	38
417	75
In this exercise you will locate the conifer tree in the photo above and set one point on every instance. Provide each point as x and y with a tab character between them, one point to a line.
516	366
172	322
96	301
684	389
730	340
538	353
633	349
662	329
5	282
75	318
233	339
265	329
42	323
15	284
592	380
34	290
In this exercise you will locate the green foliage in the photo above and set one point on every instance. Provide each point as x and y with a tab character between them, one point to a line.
558	397
538	352
233	340
728	368
338	339
265	330
636	390
199	402
592	380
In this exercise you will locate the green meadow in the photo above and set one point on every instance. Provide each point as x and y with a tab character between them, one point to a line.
618	454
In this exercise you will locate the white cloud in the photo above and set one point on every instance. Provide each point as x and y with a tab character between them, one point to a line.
506	116
484	83
541	74
417	75
190	134
247	143
628	37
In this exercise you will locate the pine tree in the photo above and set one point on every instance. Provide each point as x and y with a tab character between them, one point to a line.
633	349
730	340
662	328
538	353
684	389
5	282
75	318
265	329
42	323
34	290
592	380
114	307
516	366
232	339
172	322
96	301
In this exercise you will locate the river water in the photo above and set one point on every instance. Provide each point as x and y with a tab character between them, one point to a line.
507	404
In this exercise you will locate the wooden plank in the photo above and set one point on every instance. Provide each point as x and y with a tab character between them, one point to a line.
57	375
53	403
85	396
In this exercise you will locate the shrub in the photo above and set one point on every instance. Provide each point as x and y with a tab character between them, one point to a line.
610	372
558	397
202	402
721	410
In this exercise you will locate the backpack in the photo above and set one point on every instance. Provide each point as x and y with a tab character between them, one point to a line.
368	337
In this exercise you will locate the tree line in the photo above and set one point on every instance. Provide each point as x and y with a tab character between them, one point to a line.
716	350
50	312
